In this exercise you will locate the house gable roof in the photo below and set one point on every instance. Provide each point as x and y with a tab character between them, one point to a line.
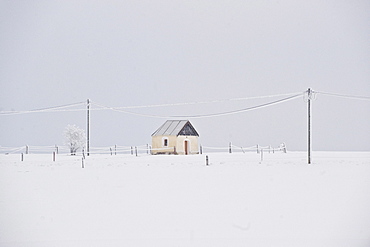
175	128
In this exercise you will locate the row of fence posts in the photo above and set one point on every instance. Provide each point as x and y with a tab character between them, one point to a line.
132	150
83	158
148	149
54	156
135	149
27	149
258	149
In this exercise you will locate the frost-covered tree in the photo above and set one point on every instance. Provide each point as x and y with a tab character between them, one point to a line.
75	138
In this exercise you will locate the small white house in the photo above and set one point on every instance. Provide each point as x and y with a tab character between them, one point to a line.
175	137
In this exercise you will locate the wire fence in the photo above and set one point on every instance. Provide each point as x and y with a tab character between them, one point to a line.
136	150
112	150
34	149
146	149
239	149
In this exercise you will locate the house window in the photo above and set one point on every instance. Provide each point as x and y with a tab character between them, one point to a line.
165	142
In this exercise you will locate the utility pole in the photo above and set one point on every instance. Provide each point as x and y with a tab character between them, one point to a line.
309	145
88	127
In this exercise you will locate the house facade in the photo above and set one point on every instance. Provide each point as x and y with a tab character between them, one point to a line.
175	137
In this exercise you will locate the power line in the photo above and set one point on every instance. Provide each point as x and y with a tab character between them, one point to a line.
244	109
61	108
47	109
123	111
344	96
207	102
203	115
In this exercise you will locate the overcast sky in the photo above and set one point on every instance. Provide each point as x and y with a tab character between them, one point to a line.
129	53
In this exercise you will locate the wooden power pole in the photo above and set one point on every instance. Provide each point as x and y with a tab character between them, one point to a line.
88	128
309	144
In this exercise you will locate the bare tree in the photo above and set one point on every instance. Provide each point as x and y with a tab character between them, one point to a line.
75	138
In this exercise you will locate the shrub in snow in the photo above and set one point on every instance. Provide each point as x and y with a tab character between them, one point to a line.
75	138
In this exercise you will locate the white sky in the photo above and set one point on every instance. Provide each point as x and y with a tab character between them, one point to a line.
123	53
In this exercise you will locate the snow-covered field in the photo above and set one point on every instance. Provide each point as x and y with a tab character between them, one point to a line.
125	200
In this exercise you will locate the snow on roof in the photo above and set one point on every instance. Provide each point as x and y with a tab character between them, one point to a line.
175	128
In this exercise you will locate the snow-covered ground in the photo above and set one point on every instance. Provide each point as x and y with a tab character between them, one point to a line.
125	200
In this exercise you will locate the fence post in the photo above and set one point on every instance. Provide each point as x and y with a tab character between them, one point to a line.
258	151
111	151
136	151
83	166
21	156
132	151
261	155
54	156
147	148
201	149
26	149
230	151
207	164
115	149
56	149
